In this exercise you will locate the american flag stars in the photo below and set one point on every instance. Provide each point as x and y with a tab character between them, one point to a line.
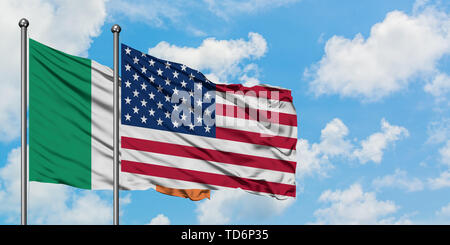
160	94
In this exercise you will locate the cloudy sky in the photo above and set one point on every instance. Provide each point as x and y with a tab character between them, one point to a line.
370	81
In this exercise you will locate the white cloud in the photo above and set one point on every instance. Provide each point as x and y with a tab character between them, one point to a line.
221	58
316	158
440	182
438	131
398	180
228	8
445	153
387	60
49	203
372	148
160	219
65	25
354	206
229	206
439	86
444	211
153	12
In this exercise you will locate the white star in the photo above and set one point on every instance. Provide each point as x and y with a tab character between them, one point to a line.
175	107
152	62
167	81
152	95
199	119
143	119
183	84
207	112
144	86
152	112
127	100
135	60
191	93
128	50
184	100
199	86
136	110
191	110
127	84
175	74
191	126
167	65
175	124
183	117
207	95
143	103
160	105
175	91
127	67
167	114
191	77
167	98
128	117
152	79
199	102
143	69
160	72
159	88
135	93
183	68
159	121
135	76
207	128
143	55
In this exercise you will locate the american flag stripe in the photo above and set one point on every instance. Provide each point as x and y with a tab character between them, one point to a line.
255	138
256	114
256	91
208	166
256	127
208	154
208	143
209	179
255	103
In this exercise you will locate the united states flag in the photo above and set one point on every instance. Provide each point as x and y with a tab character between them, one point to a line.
180	130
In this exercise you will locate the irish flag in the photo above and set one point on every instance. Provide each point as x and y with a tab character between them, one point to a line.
71	123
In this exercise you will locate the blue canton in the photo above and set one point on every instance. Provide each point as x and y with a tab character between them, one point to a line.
164	95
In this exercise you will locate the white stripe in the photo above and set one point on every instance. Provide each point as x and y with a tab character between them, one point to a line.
208	143
255	103
266	128
208	166
101	126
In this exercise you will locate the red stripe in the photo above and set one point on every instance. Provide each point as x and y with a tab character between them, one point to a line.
261	115
208	154
207	178
255	138
257	91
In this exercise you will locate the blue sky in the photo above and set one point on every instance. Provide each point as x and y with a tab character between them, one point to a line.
370	82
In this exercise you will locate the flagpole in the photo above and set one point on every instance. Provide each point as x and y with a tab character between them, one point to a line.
116	30
23	24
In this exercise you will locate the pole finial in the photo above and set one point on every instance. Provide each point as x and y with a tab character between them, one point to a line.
115	28
23	23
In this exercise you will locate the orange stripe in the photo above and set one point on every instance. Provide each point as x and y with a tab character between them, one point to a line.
193	194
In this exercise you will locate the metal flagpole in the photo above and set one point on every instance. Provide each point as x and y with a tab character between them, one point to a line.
116	30
23	23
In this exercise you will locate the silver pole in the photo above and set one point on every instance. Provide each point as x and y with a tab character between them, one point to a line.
116	30
23	24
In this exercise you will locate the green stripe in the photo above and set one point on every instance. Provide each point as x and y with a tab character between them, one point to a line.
59	117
